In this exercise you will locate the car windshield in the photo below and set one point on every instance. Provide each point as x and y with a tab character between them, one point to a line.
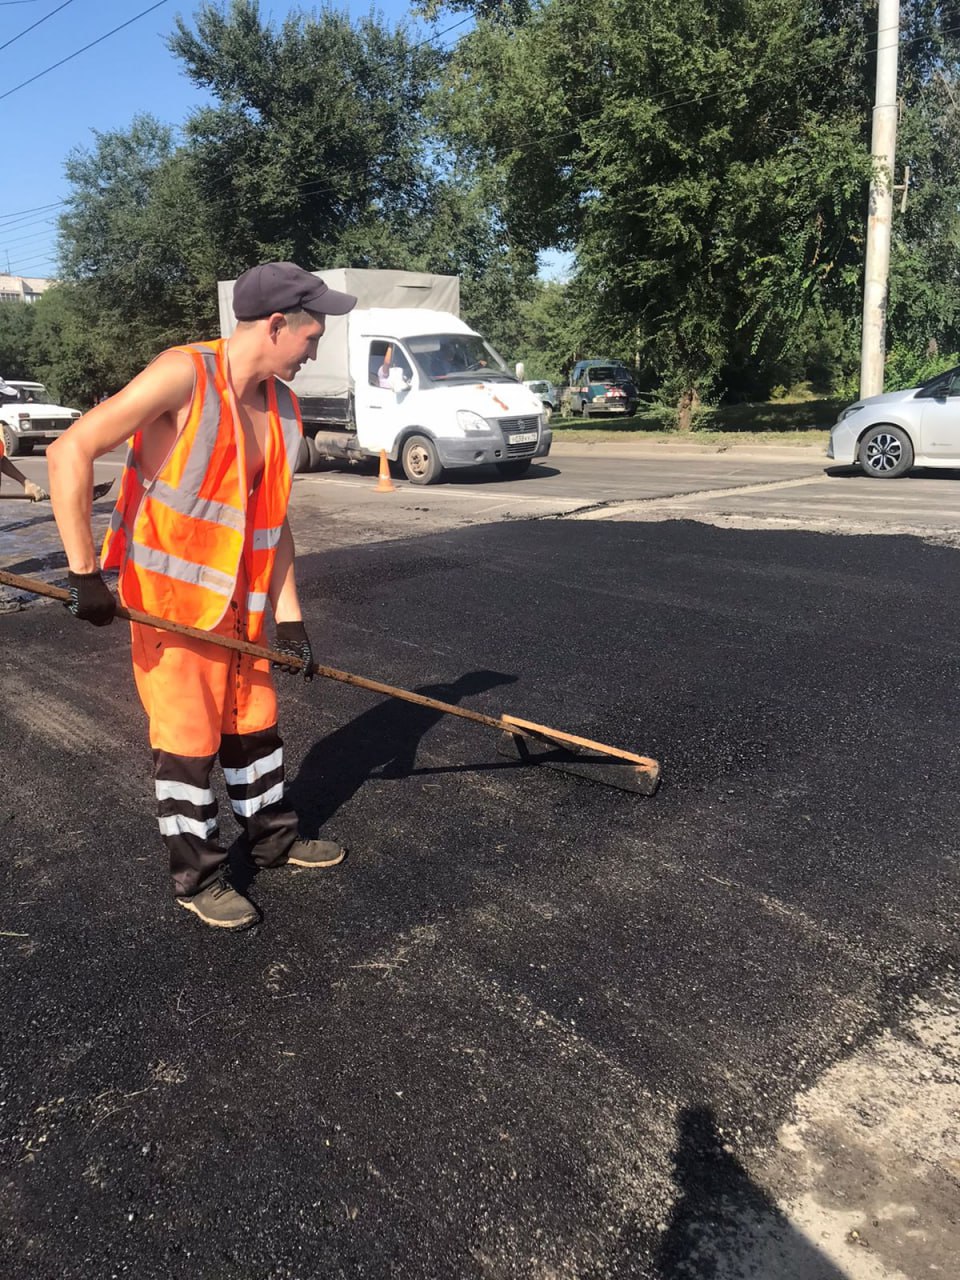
444	357
32	394
942	383
538	388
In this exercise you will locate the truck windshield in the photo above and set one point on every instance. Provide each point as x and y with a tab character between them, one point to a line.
445	357
608	373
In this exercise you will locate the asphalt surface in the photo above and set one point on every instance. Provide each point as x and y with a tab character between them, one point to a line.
532	1025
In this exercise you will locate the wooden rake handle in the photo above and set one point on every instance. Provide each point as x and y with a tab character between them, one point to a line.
507	724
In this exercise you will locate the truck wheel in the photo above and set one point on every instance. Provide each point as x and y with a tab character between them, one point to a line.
11	441
547	413
515	467
420	461
308	457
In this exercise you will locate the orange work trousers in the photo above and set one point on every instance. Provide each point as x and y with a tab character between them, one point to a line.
206	703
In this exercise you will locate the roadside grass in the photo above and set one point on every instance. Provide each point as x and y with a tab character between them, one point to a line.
800	423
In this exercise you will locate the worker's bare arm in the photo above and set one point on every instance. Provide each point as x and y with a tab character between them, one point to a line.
161	390
283	584
153	401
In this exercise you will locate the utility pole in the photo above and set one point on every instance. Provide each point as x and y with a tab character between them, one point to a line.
880	210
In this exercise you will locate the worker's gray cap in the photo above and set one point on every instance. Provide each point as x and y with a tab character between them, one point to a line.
283	286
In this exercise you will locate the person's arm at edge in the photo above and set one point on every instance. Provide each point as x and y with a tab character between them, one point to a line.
163	388
283	583
8	469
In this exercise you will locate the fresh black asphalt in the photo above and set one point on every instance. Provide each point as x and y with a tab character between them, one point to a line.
532	1024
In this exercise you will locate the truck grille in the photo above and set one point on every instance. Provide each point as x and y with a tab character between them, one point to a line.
514	426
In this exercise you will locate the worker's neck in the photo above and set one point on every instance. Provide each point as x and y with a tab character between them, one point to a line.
249	367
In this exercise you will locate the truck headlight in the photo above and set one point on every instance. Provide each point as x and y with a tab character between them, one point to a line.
471	423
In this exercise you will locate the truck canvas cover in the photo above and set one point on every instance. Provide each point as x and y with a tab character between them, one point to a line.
328	375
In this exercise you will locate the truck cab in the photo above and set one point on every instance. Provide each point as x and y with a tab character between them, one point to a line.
436	396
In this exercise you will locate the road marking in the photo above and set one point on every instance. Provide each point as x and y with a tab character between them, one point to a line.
437	493
624	506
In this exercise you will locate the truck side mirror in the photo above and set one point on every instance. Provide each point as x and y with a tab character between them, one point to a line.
519	370
398	382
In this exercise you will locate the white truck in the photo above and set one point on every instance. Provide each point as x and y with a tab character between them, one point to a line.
27	417
403	374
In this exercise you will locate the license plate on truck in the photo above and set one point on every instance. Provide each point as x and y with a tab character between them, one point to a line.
525	437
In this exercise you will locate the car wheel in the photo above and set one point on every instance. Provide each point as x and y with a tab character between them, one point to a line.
514	468
886	452
11	441
420	460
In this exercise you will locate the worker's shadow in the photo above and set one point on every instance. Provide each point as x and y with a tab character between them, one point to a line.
382	741
721	1211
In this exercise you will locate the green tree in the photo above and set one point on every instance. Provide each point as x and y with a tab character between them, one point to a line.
709	163
77	345
316	147
16	331
314	143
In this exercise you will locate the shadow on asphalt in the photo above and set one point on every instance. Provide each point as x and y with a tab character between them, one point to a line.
721	1215
854	472
381	742
468	477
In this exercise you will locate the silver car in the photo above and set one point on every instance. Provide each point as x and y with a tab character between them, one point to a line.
889	434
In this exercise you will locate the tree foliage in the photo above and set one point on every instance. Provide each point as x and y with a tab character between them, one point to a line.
315	147
16	333
709	164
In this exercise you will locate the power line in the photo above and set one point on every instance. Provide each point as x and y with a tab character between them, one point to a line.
26	30
37	208
100	39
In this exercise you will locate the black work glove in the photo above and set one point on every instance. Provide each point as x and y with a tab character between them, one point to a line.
90	598
292	639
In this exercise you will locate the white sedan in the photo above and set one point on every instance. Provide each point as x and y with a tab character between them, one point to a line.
889	434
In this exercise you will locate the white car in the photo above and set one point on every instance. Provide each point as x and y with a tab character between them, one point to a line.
28	418
889	434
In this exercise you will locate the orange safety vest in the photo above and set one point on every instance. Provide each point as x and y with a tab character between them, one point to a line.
179	540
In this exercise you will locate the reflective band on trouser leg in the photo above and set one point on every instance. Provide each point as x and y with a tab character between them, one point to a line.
187	811
253	768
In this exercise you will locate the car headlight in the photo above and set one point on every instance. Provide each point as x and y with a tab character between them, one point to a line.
851	408
471	423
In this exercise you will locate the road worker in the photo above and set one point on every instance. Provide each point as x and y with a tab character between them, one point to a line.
200	536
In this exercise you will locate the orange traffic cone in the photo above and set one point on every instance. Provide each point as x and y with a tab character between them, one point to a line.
384	483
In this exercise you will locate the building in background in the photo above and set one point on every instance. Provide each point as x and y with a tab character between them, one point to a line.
22	288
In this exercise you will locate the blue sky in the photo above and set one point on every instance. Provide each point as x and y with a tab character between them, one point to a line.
101	89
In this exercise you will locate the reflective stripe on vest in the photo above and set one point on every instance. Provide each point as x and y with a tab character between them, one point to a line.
179	539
